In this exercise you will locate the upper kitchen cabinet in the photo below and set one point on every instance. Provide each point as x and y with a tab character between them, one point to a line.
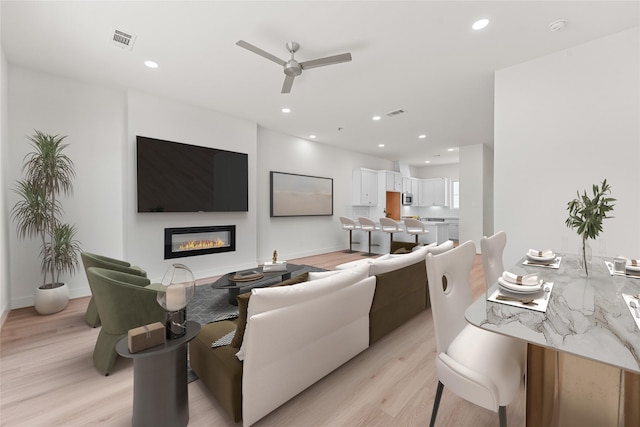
434	192
365	187
416	190
406	185
393	181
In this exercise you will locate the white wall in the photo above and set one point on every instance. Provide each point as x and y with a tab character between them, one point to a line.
295	237
94	120
475	196
144	232
4	216
562	123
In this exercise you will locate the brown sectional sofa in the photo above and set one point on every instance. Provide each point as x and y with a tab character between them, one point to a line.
400	294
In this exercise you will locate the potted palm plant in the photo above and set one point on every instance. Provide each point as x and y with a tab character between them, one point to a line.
48	172
586	216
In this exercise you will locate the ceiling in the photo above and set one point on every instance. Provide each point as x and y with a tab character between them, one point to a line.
418	56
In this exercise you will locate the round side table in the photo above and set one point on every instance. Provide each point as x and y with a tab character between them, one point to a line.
160	393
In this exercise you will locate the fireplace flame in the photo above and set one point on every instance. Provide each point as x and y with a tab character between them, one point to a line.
201	244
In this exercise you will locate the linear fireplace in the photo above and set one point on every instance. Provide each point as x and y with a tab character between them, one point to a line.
192	241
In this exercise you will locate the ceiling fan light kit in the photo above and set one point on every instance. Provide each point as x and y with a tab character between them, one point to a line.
293	68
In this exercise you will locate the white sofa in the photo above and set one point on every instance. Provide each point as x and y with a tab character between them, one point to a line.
297	334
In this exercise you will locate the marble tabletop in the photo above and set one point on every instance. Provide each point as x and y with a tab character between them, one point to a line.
586	315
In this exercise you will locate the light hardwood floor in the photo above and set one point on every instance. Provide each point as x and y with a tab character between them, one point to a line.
47	378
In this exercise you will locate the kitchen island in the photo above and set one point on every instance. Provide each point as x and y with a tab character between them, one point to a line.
438	233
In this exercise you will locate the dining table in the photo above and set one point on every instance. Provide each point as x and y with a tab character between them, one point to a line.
583	349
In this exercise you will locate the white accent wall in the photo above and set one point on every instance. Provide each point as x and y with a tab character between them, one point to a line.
94	119
562	123
295	237
159	118
476	193
4	212
101	124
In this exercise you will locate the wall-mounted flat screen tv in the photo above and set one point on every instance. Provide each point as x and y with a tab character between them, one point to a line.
176	177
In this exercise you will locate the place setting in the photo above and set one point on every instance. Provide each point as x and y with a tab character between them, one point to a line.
546	258
622	266
522	291
633	304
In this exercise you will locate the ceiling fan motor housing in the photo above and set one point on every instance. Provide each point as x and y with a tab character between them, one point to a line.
292	68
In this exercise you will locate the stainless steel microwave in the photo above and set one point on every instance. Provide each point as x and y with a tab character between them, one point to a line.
407	198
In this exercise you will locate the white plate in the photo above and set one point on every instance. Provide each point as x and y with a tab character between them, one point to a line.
518	289
541	258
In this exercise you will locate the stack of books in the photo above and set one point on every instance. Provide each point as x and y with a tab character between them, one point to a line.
274	266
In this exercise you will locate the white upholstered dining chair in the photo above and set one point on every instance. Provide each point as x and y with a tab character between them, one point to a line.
492	249
480	366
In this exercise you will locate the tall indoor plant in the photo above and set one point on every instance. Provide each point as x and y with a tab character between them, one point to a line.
48	172
586	215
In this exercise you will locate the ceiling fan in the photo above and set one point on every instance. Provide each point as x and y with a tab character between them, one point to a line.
293	68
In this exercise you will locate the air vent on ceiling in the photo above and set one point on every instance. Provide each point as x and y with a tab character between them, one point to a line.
123	40
395	112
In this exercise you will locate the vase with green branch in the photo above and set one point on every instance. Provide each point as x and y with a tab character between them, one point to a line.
48	173
587	213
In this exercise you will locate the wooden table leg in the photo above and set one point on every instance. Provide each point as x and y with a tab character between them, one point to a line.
542	365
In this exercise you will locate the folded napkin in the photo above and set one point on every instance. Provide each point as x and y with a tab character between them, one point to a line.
527	280
633	262
541	254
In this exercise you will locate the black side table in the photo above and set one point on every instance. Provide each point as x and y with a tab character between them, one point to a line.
160	394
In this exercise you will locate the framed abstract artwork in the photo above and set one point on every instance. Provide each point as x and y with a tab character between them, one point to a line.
300	195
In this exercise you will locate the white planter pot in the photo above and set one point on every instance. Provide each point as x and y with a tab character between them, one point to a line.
49	301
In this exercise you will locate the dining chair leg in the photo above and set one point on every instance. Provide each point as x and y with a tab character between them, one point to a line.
502	414
436	404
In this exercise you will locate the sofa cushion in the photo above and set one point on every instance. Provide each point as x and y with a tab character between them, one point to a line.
243	303
398	261
360	262
266	299
315	275
218	368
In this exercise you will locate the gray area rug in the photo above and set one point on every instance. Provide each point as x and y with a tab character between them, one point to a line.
211	305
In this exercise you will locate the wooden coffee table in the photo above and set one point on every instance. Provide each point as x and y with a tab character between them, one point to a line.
235	288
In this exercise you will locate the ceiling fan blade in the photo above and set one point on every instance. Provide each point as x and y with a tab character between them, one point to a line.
260	52
329	60
288	82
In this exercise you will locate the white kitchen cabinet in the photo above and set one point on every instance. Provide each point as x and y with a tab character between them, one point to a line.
434	192
416	186
406	185
393	181
365	187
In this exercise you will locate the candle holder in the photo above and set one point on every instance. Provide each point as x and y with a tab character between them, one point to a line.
177	289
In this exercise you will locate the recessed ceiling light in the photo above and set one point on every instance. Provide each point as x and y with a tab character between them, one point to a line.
380	145
480	24
451	149
286	110
423	136
312	136
376	118
151	64
557	25
427	161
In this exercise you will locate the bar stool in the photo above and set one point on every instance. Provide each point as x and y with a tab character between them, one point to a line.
368	225
415	227
349	224
390	226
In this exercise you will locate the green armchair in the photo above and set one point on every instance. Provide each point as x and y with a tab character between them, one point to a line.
123	303
93	260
